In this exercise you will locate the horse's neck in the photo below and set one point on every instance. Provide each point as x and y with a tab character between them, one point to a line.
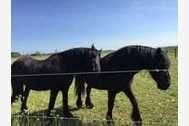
126	62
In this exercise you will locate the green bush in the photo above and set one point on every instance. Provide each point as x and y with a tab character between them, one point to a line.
15	54
37	53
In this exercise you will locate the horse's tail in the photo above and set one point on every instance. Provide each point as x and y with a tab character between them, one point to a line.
79	86
16	83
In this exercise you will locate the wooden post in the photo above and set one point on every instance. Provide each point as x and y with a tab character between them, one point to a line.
175	52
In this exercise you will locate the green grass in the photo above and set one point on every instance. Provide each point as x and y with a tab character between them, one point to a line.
155	105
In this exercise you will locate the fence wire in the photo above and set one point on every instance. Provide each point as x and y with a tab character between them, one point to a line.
86	73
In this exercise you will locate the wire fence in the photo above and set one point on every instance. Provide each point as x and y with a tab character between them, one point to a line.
25	120
87	73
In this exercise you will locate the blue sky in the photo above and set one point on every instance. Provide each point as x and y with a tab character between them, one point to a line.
49	25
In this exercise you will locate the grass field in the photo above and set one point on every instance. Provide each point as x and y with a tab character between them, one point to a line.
157	107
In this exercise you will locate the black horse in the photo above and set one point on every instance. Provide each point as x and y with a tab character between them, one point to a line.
70	61
124	59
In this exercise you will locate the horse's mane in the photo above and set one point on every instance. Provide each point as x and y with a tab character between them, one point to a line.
134	57
134	50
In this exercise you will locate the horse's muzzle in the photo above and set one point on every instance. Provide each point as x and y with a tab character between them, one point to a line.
164	86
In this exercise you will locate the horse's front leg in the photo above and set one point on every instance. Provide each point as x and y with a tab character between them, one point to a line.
79	100
52	100
111	99
88	101
80	85
135	111
66	111
24	100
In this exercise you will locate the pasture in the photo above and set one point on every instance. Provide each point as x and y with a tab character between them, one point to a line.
157	107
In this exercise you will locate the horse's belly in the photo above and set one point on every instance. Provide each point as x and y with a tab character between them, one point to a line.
110	83
40	85
99	87
105	85
45	83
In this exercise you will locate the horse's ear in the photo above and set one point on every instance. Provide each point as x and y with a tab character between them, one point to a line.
158	51
93	47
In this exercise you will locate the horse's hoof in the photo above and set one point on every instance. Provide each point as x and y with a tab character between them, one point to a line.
68	115
109	118
110	121
89	105
25	111
49	114
137	120
79	104
137	123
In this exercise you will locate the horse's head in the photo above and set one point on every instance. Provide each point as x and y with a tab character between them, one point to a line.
94	59
17	91
161	62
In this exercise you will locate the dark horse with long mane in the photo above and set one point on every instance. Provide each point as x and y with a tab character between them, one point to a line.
125	59
70	61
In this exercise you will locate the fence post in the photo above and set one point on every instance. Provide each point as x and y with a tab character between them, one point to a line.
175	52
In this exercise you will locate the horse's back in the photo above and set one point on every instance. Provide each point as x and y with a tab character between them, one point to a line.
21	64
29	65
25	60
